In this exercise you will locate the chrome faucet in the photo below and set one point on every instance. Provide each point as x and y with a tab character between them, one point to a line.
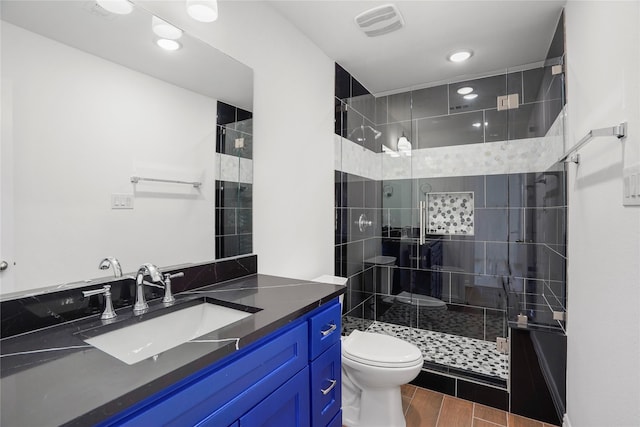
141	305
111	262
109	312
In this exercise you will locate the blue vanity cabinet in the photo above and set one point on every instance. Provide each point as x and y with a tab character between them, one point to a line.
281	380
325	365
288	406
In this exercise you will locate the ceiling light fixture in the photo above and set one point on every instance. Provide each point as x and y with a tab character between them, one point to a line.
165	30
119	7
465	90
460	56
168	44
404	146
203	10
471	96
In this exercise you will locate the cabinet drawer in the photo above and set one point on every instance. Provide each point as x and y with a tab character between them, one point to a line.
223	395
336	421
324	330
326	386
287	406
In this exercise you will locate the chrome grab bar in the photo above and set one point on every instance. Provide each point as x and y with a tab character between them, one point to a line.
136	179
619	131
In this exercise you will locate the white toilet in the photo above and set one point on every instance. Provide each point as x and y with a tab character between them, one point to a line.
374	366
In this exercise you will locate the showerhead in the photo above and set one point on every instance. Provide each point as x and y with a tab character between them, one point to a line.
376	133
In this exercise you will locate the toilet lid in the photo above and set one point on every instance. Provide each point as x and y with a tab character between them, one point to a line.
380	350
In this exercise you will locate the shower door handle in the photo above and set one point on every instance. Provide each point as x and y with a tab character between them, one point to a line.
422	207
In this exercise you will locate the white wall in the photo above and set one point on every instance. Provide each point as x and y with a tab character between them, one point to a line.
603	76
293	133
81	127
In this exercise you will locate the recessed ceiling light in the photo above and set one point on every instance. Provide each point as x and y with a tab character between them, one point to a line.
120	7
165	30
471	96
460	56
203	10
465	90
167	44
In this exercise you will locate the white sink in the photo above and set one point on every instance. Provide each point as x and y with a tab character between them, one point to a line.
137	342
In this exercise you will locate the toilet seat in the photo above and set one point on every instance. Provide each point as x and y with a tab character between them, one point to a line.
380	350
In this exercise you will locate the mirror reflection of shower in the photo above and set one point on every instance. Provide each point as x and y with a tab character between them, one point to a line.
362	128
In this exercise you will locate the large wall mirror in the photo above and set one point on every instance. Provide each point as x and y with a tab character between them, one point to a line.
89	102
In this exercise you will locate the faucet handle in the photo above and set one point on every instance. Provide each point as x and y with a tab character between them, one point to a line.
109	312
168	296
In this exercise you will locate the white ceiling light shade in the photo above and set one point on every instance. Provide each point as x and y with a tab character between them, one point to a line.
119	7
461	55
168	44
165	30
404	146
203	10
471	96
465	90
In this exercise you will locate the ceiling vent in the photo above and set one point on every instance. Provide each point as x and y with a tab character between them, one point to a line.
380	20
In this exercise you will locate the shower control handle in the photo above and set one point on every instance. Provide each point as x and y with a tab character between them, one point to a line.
332	327
363	223
326	391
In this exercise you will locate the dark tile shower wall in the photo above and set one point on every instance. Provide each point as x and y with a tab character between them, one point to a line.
514	263
233	200
232	124
234	213
354	248
439	116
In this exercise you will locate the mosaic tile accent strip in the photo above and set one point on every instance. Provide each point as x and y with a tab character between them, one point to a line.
464	353
450	213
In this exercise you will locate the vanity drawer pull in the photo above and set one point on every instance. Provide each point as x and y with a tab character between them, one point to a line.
332	327
328	389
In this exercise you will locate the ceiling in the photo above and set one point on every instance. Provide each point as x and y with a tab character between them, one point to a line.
507	33
128	40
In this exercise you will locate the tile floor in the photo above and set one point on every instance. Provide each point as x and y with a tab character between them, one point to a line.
426	408
470	354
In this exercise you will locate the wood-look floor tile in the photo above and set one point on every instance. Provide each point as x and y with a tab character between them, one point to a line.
455	412
408	390
424	408
487	413
477	422
518	421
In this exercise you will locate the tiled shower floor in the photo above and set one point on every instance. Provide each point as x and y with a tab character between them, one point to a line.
468	354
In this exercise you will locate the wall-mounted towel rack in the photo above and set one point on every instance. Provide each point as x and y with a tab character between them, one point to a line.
619	131
136	179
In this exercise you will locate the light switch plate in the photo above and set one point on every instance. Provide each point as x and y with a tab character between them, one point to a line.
121	201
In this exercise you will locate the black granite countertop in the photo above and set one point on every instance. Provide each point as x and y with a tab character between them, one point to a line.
52	377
